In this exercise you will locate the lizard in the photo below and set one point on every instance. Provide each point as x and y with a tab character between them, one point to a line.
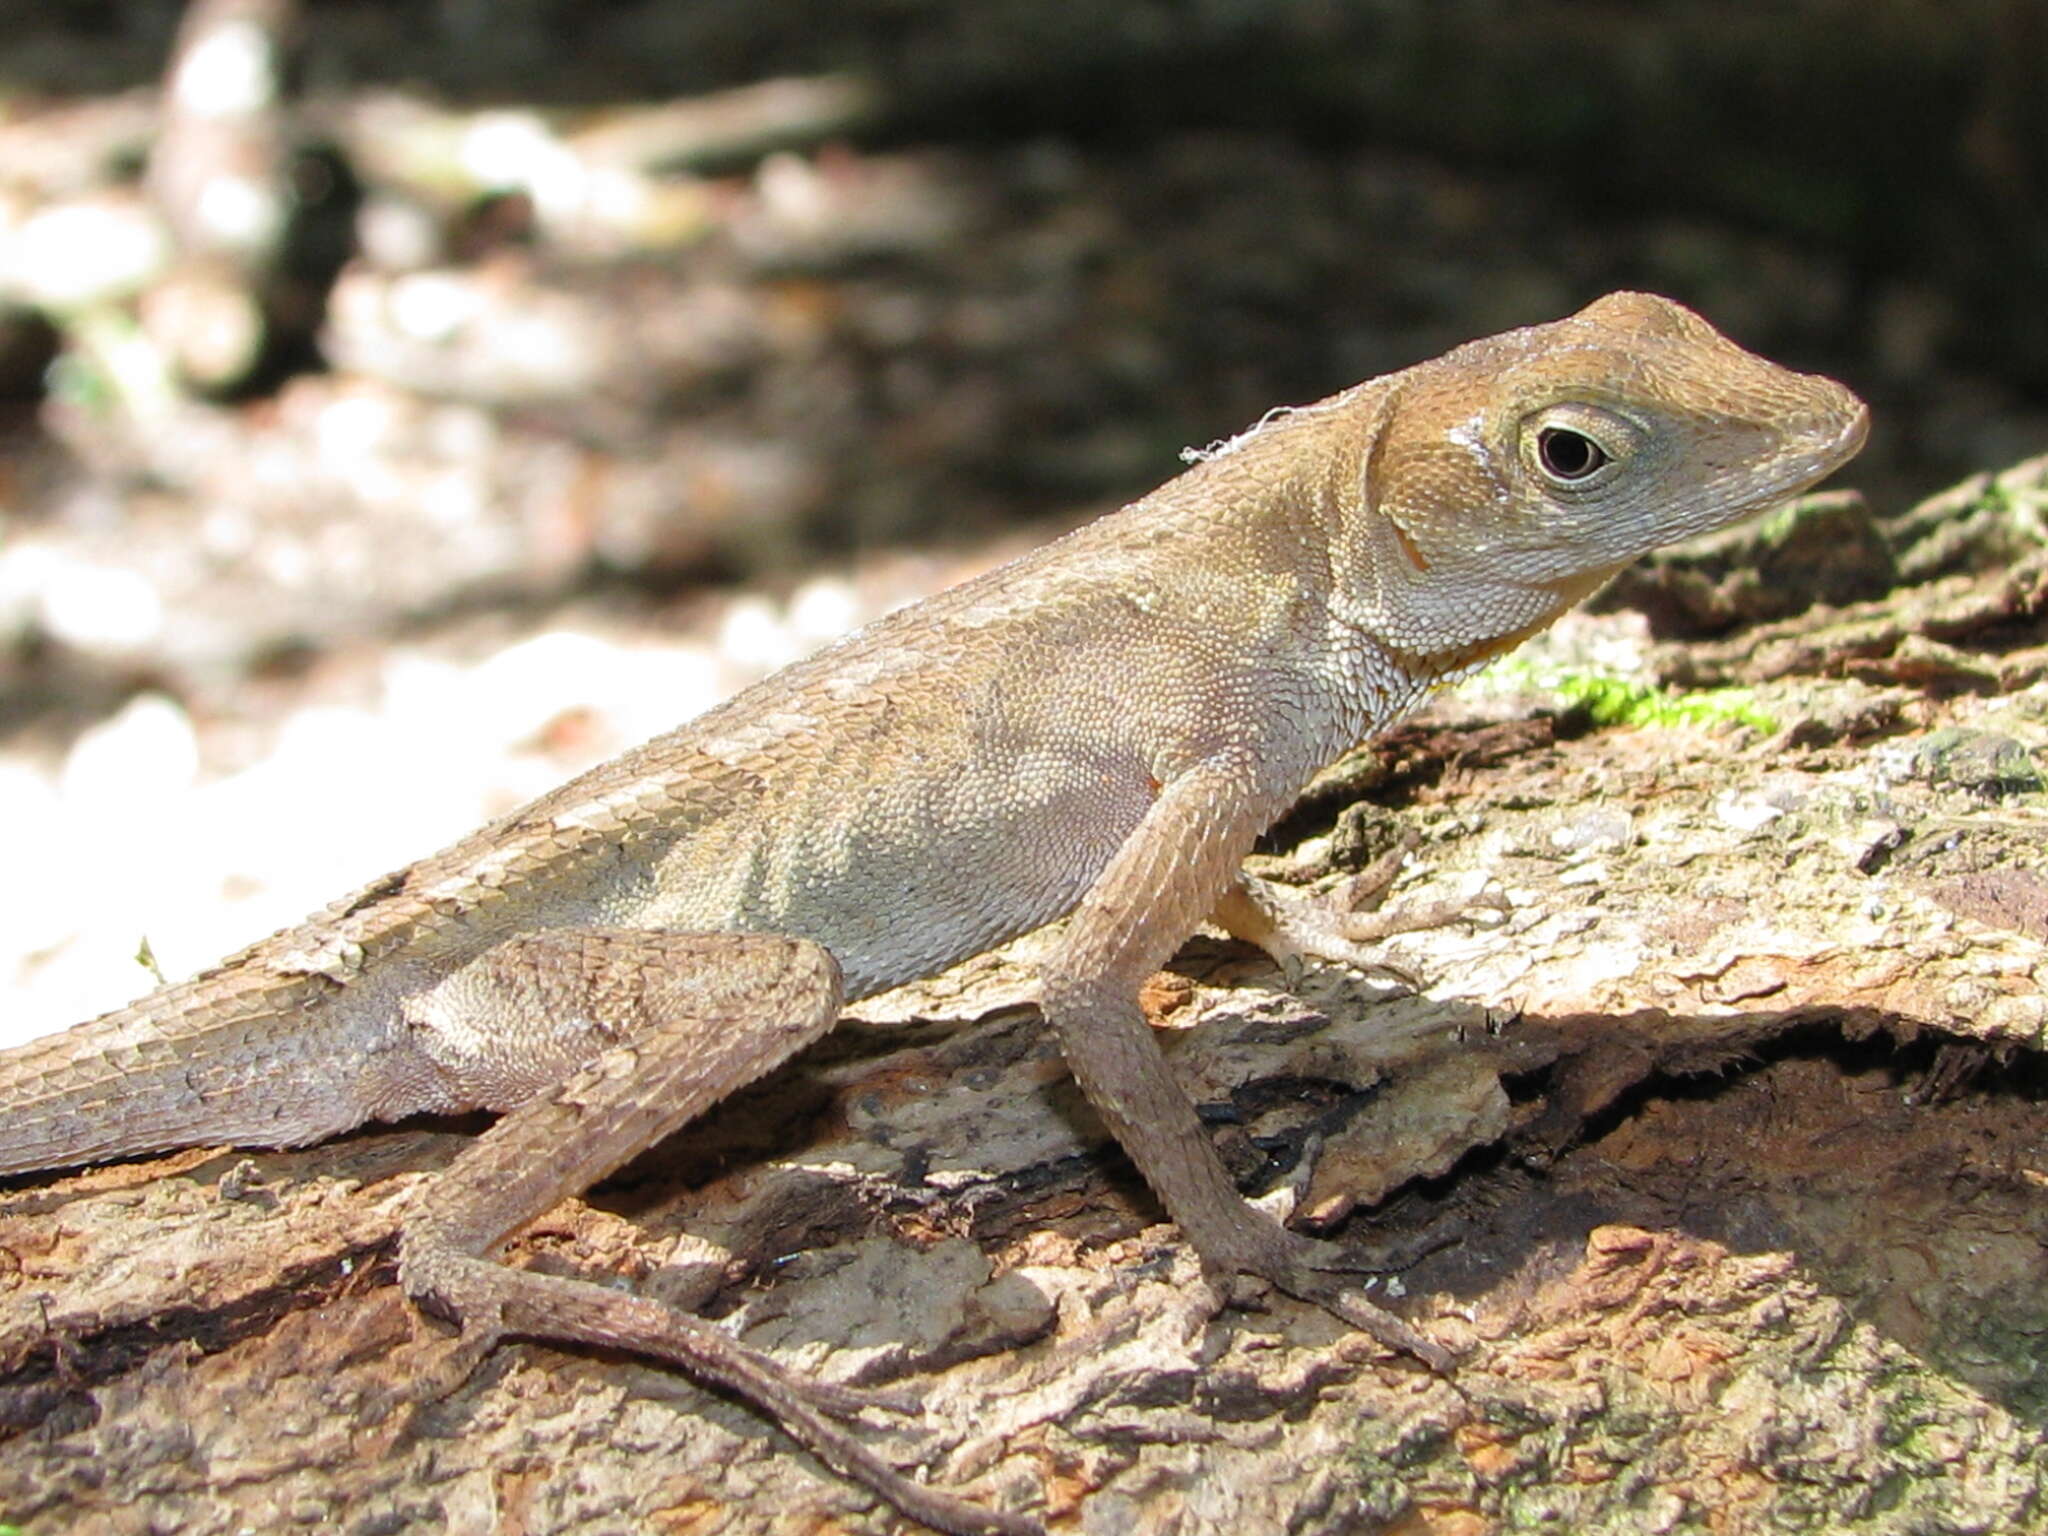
1097	731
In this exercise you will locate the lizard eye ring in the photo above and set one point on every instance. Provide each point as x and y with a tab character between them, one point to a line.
1567	455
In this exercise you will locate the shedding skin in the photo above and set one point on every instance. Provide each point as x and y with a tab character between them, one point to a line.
1097	731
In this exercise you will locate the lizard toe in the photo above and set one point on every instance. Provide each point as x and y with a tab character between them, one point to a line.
1347	1302
1315	1271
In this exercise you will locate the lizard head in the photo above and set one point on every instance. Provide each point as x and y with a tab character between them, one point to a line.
1507	479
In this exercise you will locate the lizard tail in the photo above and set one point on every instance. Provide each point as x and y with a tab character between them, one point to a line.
239	1066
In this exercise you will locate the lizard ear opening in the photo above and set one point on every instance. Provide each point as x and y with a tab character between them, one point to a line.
1386	561
1371	461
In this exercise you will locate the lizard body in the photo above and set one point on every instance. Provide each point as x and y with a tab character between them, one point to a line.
1099	729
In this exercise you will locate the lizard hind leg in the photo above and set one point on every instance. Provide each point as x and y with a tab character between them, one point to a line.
623	1036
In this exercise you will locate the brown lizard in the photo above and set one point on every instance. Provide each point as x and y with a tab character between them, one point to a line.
1097	731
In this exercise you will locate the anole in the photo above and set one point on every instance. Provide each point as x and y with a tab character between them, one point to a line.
1097	731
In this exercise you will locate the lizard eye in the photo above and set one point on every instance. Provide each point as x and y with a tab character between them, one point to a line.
1576	448
1568	455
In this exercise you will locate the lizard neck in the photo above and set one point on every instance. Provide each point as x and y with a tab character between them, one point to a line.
1390	633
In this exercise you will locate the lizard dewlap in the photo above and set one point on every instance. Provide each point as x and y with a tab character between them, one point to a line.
1098	731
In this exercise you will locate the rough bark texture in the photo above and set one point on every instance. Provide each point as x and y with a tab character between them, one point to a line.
1726	1109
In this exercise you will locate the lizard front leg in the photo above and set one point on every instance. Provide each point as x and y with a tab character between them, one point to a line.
669	1024
1169	874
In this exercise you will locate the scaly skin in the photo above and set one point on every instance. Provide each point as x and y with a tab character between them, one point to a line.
1099	729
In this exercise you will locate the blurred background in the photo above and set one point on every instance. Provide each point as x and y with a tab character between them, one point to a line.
402	406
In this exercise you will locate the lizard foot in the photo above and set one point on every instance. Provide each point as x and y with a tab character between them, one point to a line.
521	1303
1338	927
1343	1300
1316	1272
459	1360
